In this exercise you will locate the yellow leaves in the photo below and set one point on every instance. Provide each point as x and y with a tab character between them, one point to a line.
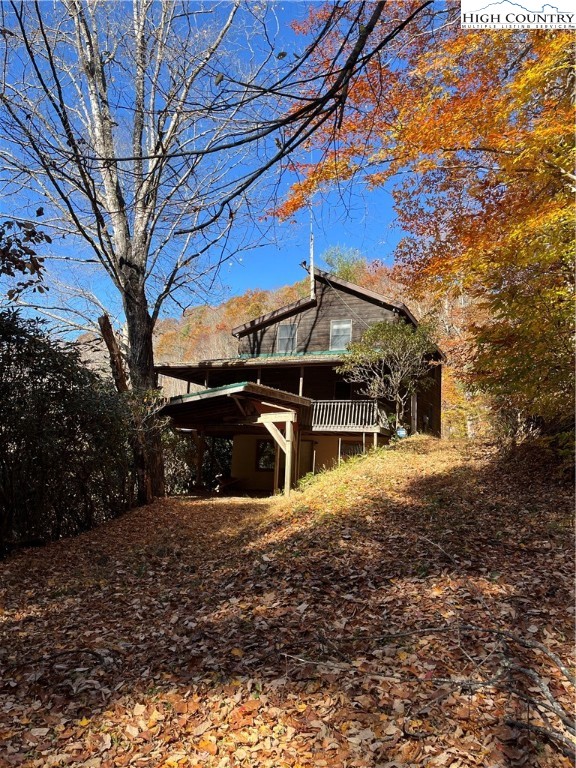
207	745
84	722
154	718
237	652
175	760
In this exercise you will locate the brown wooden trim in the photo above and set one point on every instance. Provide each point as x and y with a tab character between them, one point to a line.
273	317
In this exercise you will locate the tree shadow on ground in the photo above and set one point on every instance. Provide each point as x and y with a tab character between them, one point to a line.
194	609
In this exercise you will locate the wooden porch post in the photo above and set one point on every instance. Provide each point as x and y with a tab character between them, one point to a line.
289	457
284	441
276	467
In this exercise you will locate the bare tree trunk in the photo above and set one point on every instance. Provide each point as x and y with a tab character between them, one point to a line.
144	379
116	362
146	445
140	327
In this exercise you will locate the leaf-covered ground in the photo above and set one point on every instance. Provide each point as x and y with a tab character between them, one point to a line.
410	608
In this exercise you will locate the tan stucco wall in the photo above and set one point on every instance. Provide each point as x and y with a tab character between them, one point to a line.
326	447
244	465
326	452
244	459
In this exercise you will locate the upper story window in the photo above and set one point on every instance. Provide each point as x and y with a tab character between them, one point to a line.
287	338
340	333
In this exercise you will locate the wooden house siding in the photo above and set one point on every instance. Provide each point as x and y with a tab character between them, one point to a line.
313	324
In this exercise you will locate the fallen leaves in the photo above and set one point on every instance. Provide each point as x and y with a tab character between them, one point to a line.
269	633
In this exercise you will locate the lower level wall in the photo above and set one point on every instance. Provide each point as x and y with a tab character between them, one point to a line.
326	452
317	453
244	465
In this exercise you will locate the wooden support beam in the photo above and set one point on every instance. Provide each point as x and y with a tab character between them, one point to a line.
267	418
279	438
276	485
240	405
277	406
289	458
414	414
301	382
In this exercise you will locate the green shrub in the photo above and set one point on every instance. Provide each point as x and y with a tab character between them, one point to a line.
64	455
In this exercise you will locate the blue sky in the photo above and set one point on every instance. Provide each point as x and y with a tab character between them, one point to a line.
358	219
352	218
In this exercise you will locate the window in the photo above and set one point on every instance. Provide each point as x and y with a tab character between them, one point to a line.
340	333
265	455
286	339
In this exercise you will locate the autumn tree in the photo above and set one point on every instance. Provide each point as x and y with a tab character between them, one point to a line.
391	362
141	127
473	132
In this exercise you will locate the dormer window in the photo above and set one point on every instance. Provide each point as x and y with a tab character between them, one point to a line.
287	338
340	334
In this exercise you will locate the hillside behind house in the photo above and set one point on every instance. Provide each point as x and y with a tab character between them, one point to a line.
411	607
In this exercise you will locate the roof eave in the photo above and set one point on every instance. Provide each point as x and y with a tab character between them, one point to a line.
329	279
273	317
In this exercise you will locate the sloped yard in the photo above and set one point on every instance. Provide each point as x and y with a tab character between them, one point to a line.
410	608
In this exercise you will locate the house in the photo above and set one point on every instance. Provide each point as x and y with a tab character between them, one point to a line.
282	401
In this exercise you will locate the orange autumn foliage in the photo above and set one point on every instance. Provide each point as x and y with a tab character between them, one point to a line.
473	132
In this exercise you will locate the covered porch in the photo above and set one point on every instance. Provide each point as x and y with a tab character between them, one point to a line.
246	408
277	436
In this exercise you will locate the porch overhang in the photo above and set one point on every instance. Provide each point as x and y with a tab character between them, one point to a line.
198	373
243	407
234	404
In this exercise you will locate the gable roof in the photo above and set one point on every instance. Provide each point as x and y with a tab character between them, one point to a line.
364	293
273	317
300	306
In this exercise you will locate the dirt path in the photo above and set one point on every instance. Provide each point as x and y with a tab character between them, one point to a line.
332	630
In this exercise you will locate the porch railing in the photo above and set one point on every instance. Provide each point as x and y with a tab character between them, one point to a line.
341	414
